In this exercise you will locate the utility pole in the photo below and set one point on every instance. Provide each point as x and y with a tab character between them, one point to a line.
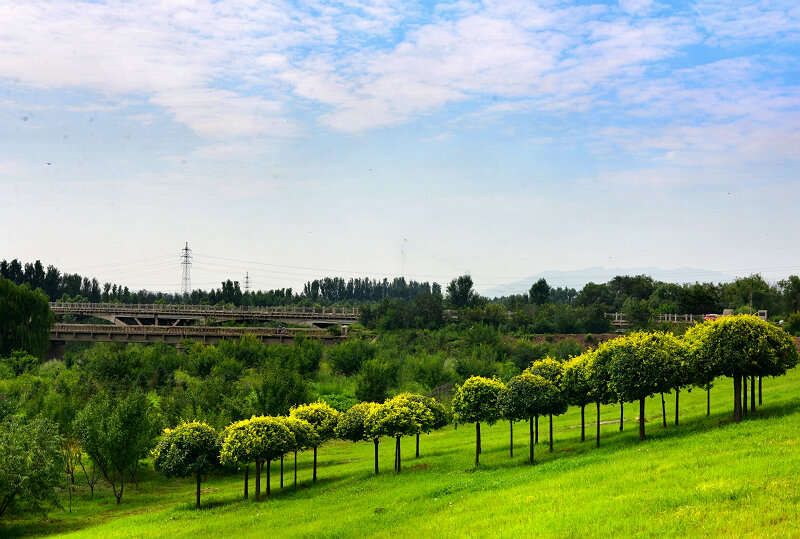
186	262
247	282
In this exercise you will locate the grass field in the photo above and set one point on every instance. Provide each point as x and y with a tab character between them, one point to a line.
707	476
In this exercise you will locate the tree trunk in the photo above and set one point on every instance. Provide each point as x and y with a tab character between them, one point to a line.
399	464
376	455
551	433
536	419
677	400
269	463
752	393
708	400
737	400
281	471
511	450
621	415
530	426
417	456
197	506
759	391
295	469
477	442
641	418
246	478
121	485
258	480
583	424
598	423
314	480
663	411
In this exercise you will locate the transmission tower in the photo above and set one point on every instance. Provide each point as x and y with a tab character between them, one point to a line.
246	282
186	262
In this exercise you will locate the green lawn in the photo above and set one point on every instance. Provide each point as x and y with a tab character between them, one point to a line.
706	476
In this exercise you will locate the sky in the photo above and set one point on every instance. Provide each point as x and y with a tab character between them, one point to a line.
296	140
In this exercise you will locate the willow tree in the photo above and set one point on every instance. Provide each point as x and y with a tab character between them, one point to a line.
643	364
190	449
476	400
323	418
25	319
526	396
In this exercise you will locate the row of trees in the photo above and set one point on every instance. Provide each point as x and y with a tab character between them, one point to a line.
630	369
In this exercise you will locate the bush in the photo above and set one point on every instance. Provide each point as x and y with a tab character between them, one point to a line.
348	357
374	380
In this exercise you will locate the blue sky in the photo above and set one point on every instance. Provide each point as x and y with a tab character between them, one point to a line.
294	140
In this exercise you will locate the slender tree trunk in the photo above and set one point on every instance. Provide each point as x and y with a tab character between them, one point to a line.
197	506
281	471
641	418
477	442
121	485
536	418
737	401
759	391
708	400
677	400
295	469
752	393
621	415
314	480
399	463
395	457
598	423
269	463
663	411
583	424
258	480
511	450
417	456
530	426
744	396
551	433
246	478
376	455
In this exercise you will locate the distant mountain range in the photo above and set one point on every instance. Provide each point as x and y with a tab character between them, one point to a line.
578	278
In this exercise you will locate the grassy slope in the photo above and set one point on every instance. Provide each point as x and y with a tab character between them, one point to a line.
707	476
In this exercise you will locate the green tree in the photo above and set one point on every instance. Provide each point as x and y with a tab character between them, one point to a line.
237	447
643	365
526	396
25	319
374	380
459	292
305	437
323	418
576	383
551	370
477	400
539	292
190	449
270	439
741	346
434	415
597	366
116	433
31	464
400	417
790	288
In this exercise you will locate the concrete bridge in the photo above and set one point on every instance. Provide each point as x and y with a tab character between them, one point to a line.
121	314
60	334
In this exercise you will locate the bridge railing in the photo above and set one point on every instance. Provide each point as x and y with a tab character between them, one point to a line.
152	308
183	330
